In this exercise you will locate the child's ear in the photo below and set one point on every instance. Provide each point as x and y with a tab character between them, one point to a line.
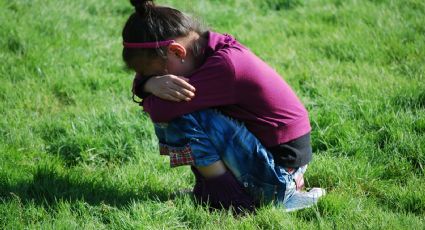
177	49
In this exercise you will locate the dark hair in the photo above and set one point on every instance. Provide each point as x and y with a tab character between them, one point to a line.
151	23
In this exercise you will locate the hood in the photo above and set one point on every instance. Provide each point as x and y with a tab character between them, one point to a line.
217	41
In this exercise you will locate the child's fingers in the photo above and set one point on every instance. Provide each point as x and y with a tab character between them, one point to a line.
182	91
170	97
180	95
187	93
185	78
184	84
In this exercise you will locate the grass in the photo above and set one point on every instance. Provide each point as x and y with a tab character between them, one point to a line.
75	152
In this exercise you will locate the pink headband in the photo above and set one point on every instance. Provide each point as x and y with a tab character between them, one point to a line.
147	45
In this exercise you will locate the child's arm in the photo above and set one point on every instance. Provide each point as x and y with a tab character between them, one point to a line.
167	87
215	86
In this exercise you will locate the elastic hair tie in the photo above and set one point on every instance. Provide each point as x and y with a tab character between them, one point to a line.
147	45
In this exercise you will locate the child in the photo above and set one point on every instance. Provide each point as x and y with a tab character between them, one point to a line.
254	157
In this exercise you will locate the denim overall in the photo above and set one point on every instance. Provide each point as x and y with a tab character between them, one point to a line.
204	137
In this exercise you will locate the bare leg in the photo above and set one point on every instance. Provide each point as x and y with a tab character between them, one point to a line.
214	170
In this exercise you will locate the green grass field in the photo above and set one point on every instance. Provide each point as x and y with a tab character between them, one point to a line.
75	152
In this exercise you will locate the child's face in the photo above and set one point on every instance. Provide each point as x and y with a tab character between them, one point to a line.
179	62
173	65
149	67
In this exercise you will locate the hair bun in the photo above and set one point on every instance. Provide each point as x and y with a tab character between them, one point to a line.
142	6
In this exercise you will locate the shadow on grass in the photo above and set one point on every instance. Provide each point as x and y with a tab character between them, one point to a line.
48	189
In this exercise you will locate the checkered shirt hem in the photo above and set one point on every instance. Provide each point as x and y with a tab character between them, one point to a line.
178	155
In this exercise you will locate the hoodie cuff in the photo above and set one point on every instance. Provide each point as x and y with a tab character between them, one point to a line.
138	85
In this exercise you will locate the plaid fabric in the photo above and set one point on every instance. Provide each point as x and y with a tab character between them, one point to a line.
298	175
178	155
164	150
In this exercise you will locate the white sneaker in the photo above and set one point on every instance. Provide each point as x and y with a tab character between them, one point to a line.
301	200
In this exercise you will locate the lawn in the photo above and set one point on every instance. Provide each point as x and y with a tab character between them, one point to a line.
76	152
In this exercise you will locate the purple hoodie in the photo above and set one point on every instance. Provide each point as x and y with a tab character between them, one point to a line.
242	86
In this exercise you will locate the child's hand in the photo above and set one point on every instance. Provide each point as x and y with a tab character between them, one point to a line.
170	87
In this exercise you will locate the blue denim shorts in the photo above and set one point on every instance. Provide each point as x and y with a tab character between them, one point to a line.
204	137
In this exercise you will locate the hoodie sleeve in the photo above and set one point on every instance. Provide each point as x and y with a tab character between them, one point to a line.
214	82
138	84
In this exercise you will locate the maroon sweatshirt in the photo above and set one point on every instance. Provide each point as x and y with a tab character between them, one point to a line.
242	86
